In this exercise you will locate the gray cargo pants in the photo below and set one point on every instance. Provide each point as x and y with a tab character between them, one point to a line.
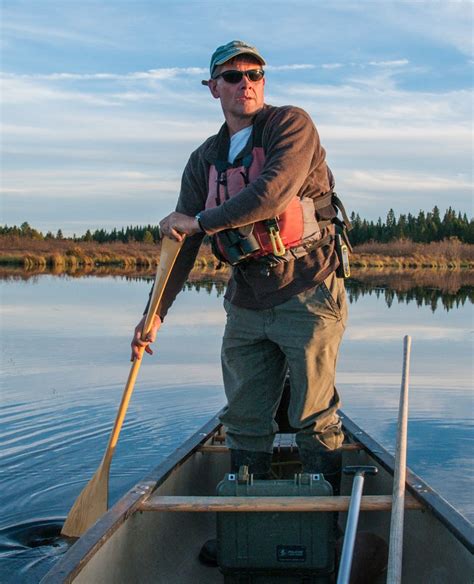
303	334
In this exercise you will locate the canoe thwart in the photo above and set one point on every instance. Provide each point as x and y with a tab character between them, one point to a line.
270	504
221	448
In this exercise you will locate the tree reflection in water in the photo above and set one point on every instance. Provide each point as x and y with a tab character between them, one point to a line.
435	288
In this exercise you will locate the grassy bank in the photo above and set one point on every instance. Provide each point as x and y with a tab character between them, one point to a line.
67	255
447	254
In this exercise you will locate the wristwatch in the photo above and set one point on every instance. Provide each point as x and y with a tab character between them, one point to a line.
198	219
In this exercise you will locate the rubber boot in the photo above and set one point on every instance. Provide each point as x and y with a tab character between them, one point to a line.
259	463
329	463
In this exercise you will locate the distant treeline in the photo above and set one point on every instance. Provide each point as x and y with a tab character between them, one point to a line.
146	234
426	227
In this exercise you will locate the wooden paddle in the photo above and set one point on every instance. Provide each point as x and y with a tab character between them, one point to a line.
394	570
92	503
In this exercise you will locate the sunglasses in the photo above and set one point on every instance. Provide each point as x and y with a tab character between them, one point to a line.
235	76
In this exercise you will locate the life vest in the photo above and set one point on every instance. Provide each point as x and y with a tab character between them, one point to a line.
297	230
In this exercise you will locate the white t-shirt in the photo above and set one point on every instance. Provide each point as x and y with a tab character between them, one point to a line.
238	141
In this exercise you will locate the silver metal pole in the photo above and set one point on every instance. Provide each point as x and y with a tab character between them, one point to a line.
351	530
395	554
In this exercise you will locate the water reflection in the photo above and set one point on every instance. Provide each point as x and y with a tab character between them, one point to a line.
433	288
447	288
422	296
431	297
65	354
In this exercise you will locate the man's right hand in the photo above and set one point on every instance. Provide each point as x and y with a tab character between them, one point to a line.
137	344
176	225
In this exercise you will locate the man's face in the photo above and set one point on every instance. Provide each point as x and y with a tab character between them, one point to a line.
243	99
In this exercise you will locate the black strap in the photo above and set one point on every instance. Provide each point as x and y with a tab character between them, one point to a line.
332	198
338	204
247	163
343	225
218	194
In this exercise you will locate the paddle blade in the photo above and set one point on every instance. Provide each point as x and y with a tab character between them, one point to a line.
90	505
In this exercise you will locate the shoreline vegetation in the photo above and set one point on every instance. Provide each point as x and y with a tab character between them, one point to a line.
89	256
425	241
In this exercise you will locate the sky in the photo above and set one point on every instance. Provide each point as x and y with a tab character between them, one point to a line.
101	100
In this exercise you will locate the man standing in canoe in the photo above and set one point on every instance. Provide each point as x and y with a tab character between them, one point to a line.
261	189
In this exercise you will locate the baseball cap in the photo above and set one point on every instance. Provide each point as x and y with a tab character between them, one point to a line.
227	52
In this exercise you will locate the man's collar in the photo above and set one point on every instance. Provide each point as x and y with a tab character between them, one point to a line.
222	138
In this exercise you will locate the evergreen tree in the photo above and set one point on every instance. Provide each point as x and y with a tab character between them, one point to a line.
100	236
25	229
420	233
449	223
400	231
389	231
437	223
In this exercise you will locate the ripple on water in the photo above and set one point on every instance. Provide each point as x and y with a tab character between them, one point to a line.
36	543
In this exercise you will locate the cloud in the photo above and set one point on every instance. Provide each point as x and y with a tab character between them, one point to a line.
396	182
396	63
52	35
160	74
16	90
294	67
446	23
403	131
370	106
90	183
95	128
332	65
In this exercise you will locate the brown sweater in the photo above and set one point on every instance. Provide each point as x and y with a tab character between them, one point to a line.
294	166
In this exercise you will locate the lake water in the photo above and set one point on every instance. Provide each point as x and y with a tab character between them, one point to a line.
65	355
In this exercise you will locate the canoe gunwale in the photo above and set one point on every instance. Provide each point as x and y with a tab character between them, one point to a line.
85	547
95	537
456	523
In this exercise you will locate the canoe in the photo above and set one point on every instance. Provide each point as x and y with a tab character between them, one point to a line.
155	531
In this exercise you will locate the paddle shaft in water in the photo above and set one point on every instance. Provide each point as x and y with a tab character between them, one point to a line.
92	503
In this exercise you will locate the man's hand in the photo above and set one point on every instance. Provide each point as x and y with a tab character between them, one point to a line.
176	225
137	343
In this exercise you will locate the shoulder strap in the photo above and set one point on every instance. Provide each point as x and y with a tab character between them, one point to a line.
336	201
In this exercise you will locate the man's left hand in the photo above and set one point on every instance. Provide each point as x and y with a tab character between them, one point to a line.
176	225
